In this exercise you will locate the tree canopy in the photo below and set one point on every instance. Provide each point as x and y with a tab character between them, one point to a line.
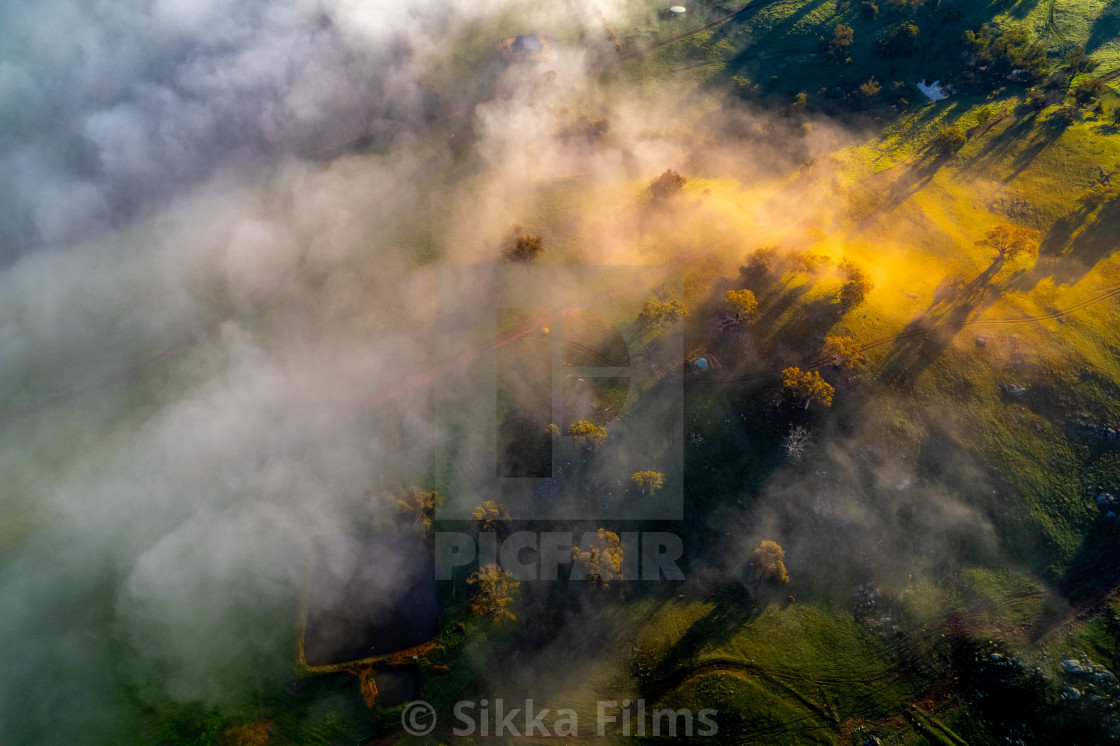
899	39
420	506
769	563
602	560
658	313
1010	241
491	515
842	352
949	139
521	247
589	435
761	262
493	591
742	304
648	482
1089	91
667	185
807	386
994	56
856	284
1078	62
837	48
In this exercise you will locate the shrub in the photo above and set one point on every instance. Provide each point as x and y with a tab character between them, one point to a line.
949	139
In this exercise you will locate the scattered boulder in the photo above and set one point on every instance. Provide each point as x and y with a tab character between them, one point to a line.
981	341
1014	389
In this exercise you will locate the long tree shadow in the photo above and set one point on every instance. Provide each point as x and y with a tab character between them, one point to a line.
1095	568
741	346
1045	136
733	609
912	179
1022	9
801	327
773	306
1105	29
1076	243
922	341
998	148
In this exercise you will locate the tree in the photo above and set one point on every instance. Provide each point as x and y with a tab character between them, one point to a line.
667	185
742	304
842	352
949	139
491	516
900	39
871	88
648	482
994	56
521	247
810	263
806	386
984	115
1078	62
656	313
602	560
795	443
760	262
420	506
494	590
1009	241
869	10
1037	99
1066	116
769	563
837	49
856	284
589	435
552	431
1099	194
1088	91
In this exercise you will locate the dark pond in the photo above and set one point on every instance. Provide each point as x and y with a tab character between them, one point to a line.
396	687
370	595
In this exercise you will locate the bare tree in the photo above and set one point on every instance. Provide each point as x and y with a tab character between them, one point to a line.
796	442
